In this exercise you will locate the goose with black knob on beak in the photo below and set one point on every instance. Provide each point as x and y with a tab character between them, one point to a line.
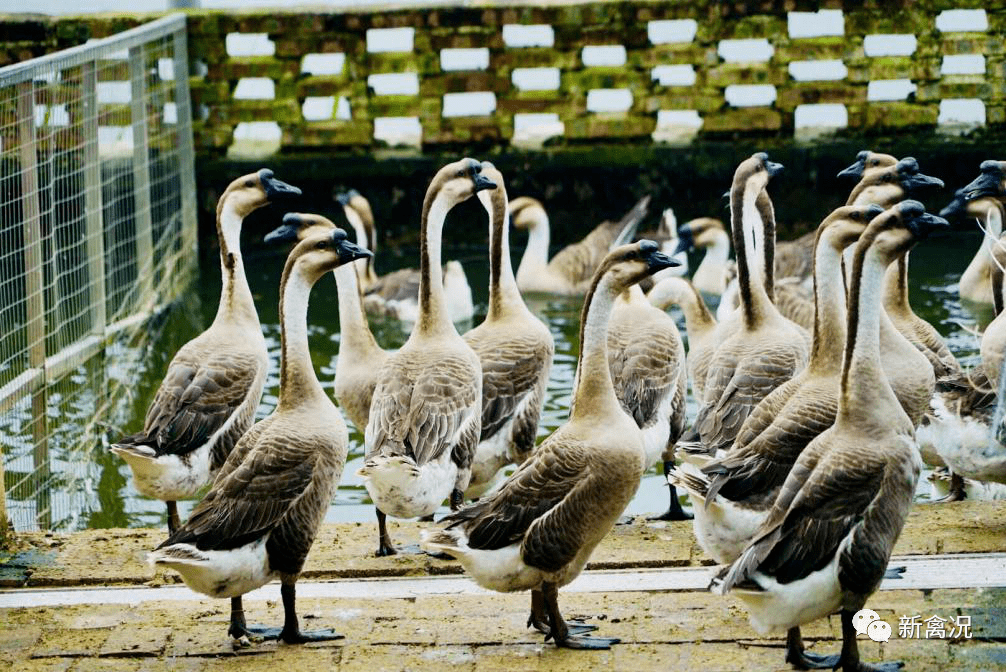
569	272
426	414
213	385
708	234
515	349
975	284
828	538
259	520
538	530
360	357
396	294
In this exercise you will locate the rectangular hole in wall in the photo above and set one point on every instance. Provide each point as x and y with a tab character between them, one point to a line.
818	71
254	139
51	115
398	131
394	84
969	111
822	23
821	115
114	92
962	21
387	40
745	51
674	75
318	108
677	125
469	104
518	35
249	44
255	88
535	79
889	89
603	56
323	64
115	141
609	100
166	69
890	45
535	129
343	112
750	95
674	31
170	115
452	60
963	64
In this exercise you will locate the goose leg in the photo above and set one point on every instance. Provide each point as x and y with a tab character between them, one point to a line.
240	630
560	631
174	521
801	659
457	499
849	661
957	492
538	619
674	510
291	633
384	546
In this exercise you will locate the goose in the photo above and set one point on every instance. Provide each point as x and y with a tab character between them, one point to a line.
975	284
647	362
537	531
396	294
700	325
892	183
666	235
707	233
867	163
759	349
258	521
737	490
360	357
515	350
426	413
826	542
569	272
213	384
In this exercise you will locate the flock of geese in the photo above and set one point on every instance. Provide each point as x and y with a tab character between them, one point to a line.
820	394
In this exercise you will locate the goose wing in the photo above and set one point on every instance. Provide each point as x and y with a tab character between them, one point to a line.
795	258
200	392
400	285
645	365
578	261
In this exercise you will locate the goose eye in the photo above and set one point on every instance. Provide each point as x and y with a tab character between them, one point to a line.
249	184
321	245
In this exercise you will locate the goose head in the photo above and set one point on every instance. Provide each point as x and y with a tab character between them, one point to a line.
322	251
846	224
254	190
700	233
359	215
457	182
297	226
991	182
973	203
894	231
527	213
755	173
489	196
892	184
866	163
627	265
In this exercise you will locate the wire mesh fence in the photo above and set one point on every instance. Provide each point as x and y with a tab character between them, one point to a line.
97	234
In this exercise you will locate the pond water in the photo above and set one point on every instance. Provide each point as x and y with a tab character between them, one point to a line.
935	267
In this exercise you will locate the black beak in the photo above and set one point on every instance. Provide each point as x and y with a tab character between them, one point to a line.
350	251
919	182
925	224
276	189
655	259
854	171
957	207
989	183
773	168
482	182
685	240
343	198
283	234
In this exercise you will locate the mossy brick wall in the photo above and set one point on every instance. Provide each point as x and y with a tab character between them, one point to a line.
575	25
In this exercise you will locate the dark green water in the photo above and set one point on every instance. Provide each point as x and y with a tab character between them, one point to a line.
935	266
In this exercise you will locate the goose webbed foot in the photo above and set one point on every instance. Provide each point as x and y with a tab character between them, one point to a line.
895	572
291	633
243	632
563	633
849	660
538	619
583	642
674	510
801	659
957	492
300	637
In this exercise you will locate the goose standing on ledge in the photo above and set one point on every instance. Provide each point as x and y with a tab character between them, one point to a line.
426	414
538	530
396	294
828	538
360	357
515	349
258	521
213	385
569	272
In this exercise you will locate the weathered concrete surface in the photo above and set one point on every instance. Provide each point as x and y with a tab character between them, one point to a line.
117	557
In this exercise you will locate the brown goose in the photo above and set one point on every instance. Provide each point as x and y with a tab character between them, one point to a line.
569	272
396	294
762	349
700	325
828	538
738	489
426	414
707	233
976	282
258	521
214	382
538	530
515	349
867	163
360	357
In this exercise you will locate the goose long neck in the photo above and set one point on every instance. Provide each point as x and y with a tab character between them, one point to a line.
433	317
742	207
766	213
363	239
698	318
355	337
896	287
503	290
236	302
829	307
535	255
716	254
298	383
594	392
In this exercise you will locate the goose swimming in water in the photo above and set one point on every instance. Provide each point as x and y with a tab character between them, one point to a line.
213	385
538	530
259	520
569	272
707	233
426	414
828	538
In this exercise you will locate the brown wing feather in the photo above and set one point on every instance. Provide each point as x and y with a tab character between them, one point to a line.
645	359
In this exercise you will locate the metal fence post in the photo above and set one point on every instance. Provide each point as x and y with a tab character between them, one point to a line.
94	220
141	178
186	159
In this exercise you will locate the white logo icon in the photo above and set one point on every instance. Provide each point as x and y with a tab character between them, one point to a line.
861	620
879	631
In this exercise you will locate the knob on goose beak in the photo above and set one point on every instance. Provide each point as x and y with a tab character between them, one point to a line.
920	222
957	207
685	240
348	251
482	182
342	198
654	258
287	231
856	169
773	168
989	183
276	189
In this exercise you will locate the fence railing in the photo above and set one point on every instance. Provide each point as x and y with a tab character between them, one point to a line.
97	233
585	71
